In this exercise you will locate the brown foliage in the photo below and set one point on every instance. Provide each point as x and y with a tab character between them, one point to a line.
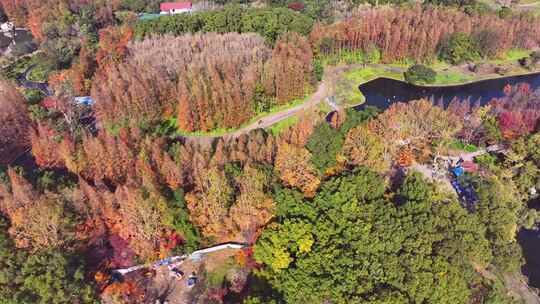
209	203
405	33
140	219
222	216
215	75
289	72
18	194
295	169
38	221
16	10
124	292
253	207
113	43
207	81
41	225
405	157
129	97
76	78
14	122
44	146
415	122
362	147
299	133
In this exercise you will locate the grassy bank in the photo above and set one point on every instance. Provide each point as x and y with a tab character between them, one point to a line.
346	87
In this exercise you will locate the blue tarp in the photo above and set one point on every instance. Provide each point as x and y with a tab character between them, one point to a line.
458	171
85	100
466	194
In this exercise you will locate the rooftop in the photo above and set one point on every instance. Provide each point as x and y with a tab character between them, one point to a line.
166	6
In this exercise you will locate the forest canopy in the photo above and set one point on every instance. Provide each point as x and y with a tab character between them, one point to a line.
158	135
203	81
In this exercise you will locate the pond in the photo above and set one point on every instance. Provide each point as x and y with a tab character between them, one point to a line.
382	92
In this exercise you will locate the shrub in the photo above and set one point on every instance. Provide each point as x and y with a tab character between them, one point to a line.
535	56
488	42
505	12
318	69
459	47
476	8
33	96
419	73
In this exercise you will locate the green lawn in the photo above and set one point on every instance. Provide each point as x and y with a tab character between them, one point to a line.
324	107
347	92
451	77
511	56
282	125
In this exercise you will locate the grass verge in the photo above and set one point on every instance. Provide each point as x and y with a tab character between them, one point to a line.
282	125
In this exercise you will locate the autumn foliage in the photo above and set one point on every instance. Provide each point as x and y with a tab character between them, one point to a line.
289	72
416	33
517	111
14	122
113	43
204	81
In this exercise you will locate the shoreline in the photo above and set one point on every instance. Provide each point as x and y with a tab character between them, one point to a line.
485	77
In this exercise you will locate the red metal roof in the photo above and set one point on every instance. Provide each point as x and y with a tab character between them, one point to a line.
49	102
167	6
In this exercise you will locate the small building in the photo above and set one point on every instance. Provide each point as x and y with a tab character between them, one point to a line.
170	8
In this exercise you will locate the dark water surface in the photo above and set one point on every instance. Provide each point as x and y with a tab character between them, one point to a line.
530	243
382	92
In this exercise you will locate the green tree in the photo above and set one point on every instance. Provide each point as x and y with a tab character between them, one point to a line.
52	276
459	47
324	144
419	73
177	217
365	248
498	208
270	23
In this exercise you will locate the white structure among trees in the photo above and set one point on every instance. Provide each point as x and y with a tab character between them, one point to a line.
170	8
